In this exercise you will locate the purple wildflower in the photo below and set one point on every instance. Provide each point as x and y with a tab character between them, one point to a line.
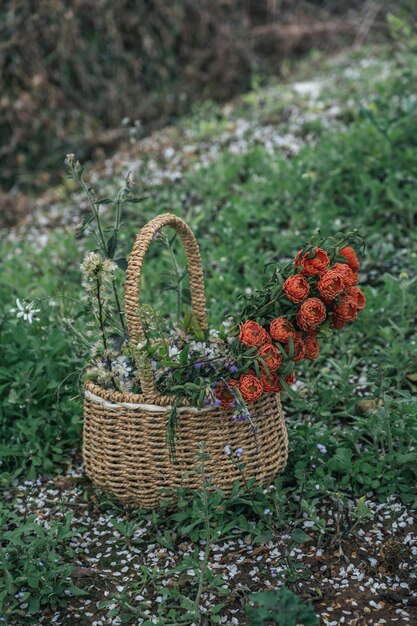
239	452
240	417
322	448
198	365
228	450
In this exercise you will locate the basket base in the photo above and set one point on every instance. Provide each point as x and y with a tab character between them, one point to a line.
125	449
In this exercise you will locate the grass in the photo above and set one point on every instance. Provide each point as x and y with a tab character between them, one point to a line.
357	400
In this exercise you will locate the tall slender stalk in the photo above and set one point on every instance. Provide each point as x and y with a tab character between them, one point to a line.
93	205
118	307
118	204
177	277
206	513
102	241
100	315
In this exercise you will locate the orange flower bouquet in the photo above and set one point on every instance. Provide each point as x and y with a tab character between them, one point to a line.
284	322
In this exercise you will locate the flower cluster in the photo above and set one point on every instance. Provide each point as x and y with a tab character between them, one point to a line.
280	326
315	294
113	371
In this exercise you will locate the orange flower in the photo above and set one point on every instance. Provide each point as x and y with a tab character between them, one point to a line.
346	310
312	313
281	329
250	387
350	278
358	296
315	266
312	346
296	288
271	355
224	394
291	379
299	348
252	334
337	322
270	383
273	384
351	258
330	285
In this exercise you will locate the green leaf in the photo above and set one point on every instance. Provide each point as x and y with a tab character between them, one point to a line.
280	606
342	460
111	245
87	219
184	354
299	536
34	604
104	201
33	581
122	263
136	199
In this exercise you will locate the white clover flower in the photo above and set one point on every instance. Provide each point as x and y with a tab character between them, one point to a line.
26	311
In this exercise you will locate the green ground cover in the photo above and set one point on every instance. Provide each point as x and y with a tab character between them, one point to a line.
353	167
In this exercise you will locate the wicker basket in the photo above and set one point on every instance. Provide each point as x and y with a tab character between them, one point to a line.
125	447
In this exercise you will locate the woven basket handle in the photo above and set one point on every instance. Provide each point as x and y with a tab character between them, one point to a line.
133	272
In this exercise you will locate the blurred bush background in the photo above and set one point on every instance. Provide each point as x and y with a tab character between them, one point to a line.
72	70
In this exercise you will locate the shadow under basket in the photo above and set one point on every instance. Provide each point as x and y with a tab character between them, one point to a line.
125	444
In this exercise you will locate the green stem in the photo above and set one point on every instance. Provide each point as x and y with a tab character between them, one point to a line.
100	315
203	570
177	276
252	499
77	333
118	307
96	215
119	202
204	564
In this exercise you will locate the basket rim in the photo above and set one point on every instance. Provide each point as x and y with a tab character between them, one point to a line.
122	397
112	398
143	406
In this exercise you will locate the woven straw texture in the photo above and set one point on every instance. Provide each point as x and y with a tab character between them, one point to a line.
125	446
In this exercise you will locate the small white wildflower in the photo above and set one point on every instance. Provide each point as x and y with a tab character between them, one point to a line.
69	159
227	323
26	311
121	367
173	351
